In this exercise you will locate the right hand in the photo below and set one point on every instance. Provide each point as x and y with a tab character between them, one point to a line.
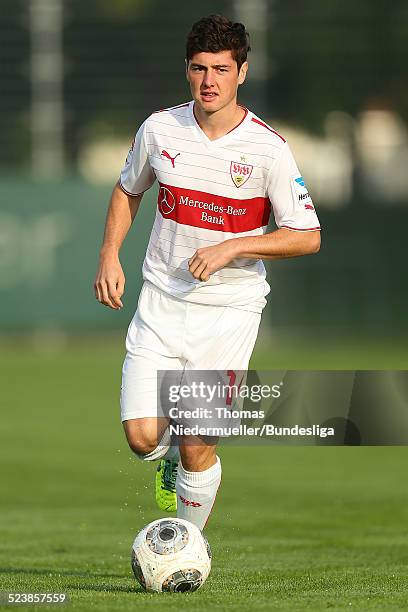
109	282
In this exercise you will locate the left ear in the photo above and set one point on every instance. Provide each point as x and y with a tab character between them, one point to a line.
242	73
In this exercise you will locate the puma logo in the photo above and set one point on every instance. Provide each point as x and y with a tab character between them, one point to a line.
188	502
169	157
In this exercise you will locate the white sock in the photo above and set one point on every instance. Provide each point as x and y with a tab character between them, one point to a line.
196	493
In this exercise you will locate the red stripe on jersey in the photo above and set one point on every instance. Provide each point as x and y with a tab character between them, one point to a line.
210	211
302	229
243	119
267	127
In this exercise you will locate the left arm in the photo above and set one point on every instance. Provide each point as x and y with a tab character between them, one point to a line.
292	207
280	244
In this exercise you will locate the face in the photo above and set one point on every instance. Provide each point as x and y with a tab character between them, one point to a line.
214	79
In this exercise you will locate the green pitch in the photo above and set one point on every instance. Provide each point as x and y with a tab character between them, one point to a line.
293	528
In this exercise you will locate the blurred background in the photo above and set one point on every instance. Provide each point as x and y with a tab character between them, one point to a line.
78	78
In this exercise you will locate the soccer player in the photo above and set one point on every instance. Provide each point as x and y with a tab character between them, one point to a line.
220	172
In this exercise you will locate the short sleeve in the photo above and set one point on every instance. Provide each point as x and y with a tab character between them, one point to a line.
292	205
137	175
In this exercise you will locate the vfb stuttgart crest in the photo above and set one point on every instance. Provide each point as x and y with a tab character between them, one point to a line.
240	173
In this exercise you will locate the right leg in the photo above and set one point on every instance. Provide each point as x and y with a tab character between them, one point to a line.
152	345
150	440
148	437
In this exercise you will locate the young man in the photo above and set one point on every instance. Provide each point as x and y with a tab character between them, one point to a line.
220	169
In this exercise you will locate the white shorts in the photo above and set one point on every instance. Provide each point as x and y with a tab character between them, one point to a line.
171	334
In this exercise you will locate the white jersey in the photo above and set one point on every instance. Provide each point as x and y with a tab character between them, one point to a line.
210	191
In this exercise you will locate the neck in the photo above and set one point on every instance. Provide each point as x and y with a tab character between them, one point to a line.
217	124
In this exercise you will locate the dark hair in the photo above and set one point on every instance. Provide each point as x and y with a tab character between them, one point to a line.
217	33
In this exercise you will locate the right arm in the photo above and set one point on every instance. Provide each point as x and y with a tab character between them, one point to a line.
109	282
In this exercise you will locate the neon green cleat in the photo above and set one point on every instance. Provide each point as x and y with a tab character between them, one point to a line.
166	497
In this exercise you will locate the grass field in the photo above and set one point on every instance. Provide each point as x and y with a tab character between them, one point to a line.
294	528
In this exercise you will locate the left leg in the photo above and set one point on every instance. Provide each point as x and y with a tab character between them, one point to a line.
198	479
217	338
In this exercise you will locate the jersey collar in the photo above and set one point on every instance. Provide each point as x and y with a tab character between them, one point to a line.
222	139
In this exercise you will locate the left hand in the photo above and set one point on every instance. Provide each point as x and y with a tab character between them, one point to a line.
208	260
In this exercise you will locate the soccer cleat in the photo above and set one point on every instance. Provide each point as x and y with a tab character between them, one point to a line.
166	497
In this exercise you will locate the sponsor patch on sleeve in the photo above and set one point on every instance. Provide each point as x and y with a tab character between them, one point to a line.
301	192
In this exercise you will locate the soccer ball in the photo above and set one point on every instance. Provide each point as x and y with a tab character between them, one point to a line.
171	555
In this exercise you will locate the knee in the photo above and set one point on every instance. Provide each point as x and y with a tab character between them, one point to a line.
140	442
140	446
